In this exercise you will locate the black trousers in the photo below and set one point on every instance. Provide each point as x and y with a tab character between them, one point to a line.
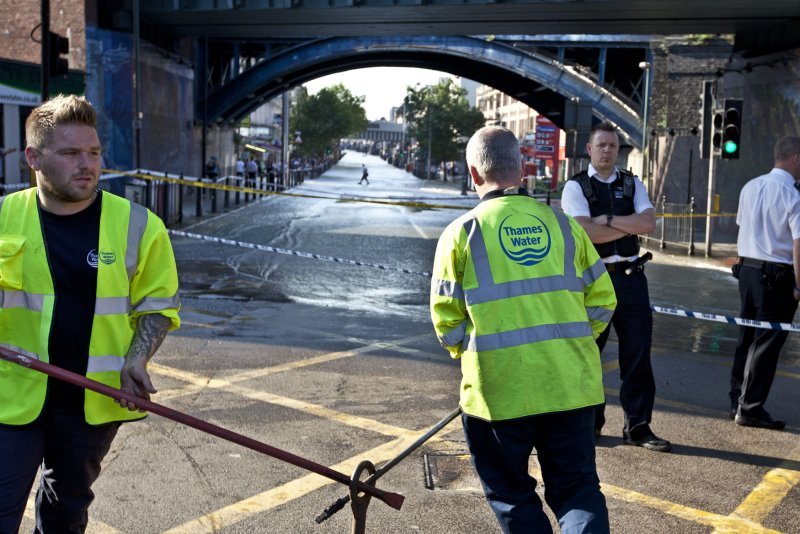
766	294
69	452
633	323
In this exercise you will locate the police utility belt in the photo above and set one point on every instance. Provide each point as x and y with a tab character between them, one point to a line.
629	267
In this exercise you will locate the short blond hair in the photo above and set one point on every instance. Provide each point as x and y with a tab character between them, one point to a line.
61	109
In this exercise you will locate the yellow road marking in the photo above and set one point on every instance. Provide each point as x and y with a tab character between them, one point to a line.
265	371
722	524
263	396
773	488
297	488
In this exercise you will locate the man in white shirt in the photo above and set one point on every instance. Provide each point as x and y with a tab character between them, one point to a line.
612	207
769	280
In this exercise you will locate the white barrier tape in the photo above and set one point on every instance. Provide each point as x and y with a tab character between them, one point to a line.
277	250
658	309
729	320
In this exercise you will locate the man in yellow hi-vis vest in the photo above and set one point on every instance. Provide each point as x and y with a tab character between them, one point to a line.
88	283
519	295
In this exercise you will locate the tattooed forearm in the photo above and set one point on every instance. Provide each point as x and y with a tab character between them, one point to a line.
150	332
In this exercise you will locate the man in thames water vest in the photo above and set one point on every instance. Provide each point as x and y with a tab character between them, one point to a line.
519	294
88	283
612	206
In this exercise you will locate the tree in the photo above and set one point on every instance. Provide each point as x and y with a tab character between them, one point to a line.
324	118
440	115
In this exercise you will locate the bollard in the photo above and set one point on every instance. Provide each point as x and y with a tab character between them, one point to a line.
663	220
227	197
198	211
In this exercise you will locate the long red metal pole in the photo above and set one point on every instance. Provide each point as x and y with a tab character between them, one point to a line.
394	500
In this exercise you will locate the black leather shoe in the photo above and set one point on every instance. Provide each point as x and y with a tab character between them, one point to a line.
649	441
764	420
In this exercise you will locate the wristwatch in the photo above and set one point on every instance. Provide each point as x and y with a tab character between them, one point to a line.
608	219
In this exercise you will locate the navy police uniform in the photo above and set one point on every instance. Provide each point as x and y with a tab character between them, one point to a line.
633	318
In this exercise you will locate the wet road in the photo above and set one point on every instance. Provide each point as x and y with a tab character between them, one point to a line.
338	363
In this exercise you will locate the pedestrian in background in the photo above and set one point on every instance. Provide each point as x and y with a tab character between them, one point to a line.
769	280
364	174
519	294
89	284
612	206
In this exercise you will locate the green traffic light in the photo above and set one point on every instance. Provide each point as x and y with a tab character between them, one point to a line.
730	147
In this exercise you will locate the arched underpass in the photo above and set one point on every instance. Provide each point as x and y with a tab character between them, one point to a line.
540	82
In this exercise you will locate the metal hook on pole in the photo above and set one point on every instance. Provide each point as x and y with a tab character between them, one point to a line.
342	501
394	500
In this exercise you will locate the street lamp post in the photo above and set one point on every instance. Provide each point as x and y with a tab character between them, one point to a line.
430	140
645	66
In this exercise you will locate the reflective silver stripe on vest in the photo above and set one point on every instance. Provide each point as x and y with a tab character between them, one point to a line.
569	244
157	304
480	258
112	306
599	313
31	355
21	299
136	227
454	336
593	273
446	288
533	334
102	364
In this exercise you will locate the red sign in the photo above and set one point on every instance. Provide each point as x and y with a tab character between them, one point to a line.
547	137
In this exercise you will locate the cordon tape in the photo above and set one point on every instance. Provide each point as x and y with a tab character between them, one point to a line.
790	327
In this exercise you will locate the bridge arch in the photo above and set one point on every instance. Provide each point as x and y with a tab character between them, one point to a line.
540	82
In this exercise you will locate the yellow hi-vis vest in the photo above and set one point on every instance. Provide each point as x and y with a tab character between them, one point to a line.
519	294
136	275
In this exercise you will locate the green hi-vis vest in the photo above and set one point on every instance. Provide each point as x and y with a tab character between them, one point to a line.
136	275
519	294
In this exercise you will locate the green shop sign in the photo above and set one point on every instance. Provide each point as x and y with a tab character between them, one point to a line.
21	83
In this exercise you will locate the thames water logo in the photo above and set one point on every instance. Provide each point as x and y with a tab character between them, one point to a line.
91	258
524	238
106	256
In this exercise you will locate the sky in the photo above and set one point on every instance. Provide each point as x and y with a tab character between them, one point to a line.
383	87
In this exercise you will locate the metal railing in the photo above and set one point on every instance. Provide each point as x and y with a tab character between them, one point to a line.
674	225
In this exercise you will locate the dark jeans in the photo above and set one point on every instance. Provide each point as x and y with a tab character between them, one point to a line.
764	297
565	449
633	323
69	452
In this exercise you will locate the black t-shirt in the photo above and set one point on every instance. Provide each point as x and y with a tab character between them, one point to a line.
71	242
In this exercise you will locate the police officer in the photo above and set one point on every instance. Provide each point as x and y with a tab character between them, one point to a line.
612	206
519	294
769	280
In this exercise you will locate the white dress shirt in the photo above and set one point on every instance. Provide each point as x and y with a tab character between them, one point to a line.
768	217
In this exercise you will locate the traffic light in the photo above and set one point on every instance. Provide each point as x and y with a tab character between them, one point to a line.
717	124
706	116
59	46
732	128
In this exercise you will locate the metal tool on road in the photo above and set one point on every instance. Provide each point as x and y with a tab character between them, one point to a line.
359	501
342	501
394	500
